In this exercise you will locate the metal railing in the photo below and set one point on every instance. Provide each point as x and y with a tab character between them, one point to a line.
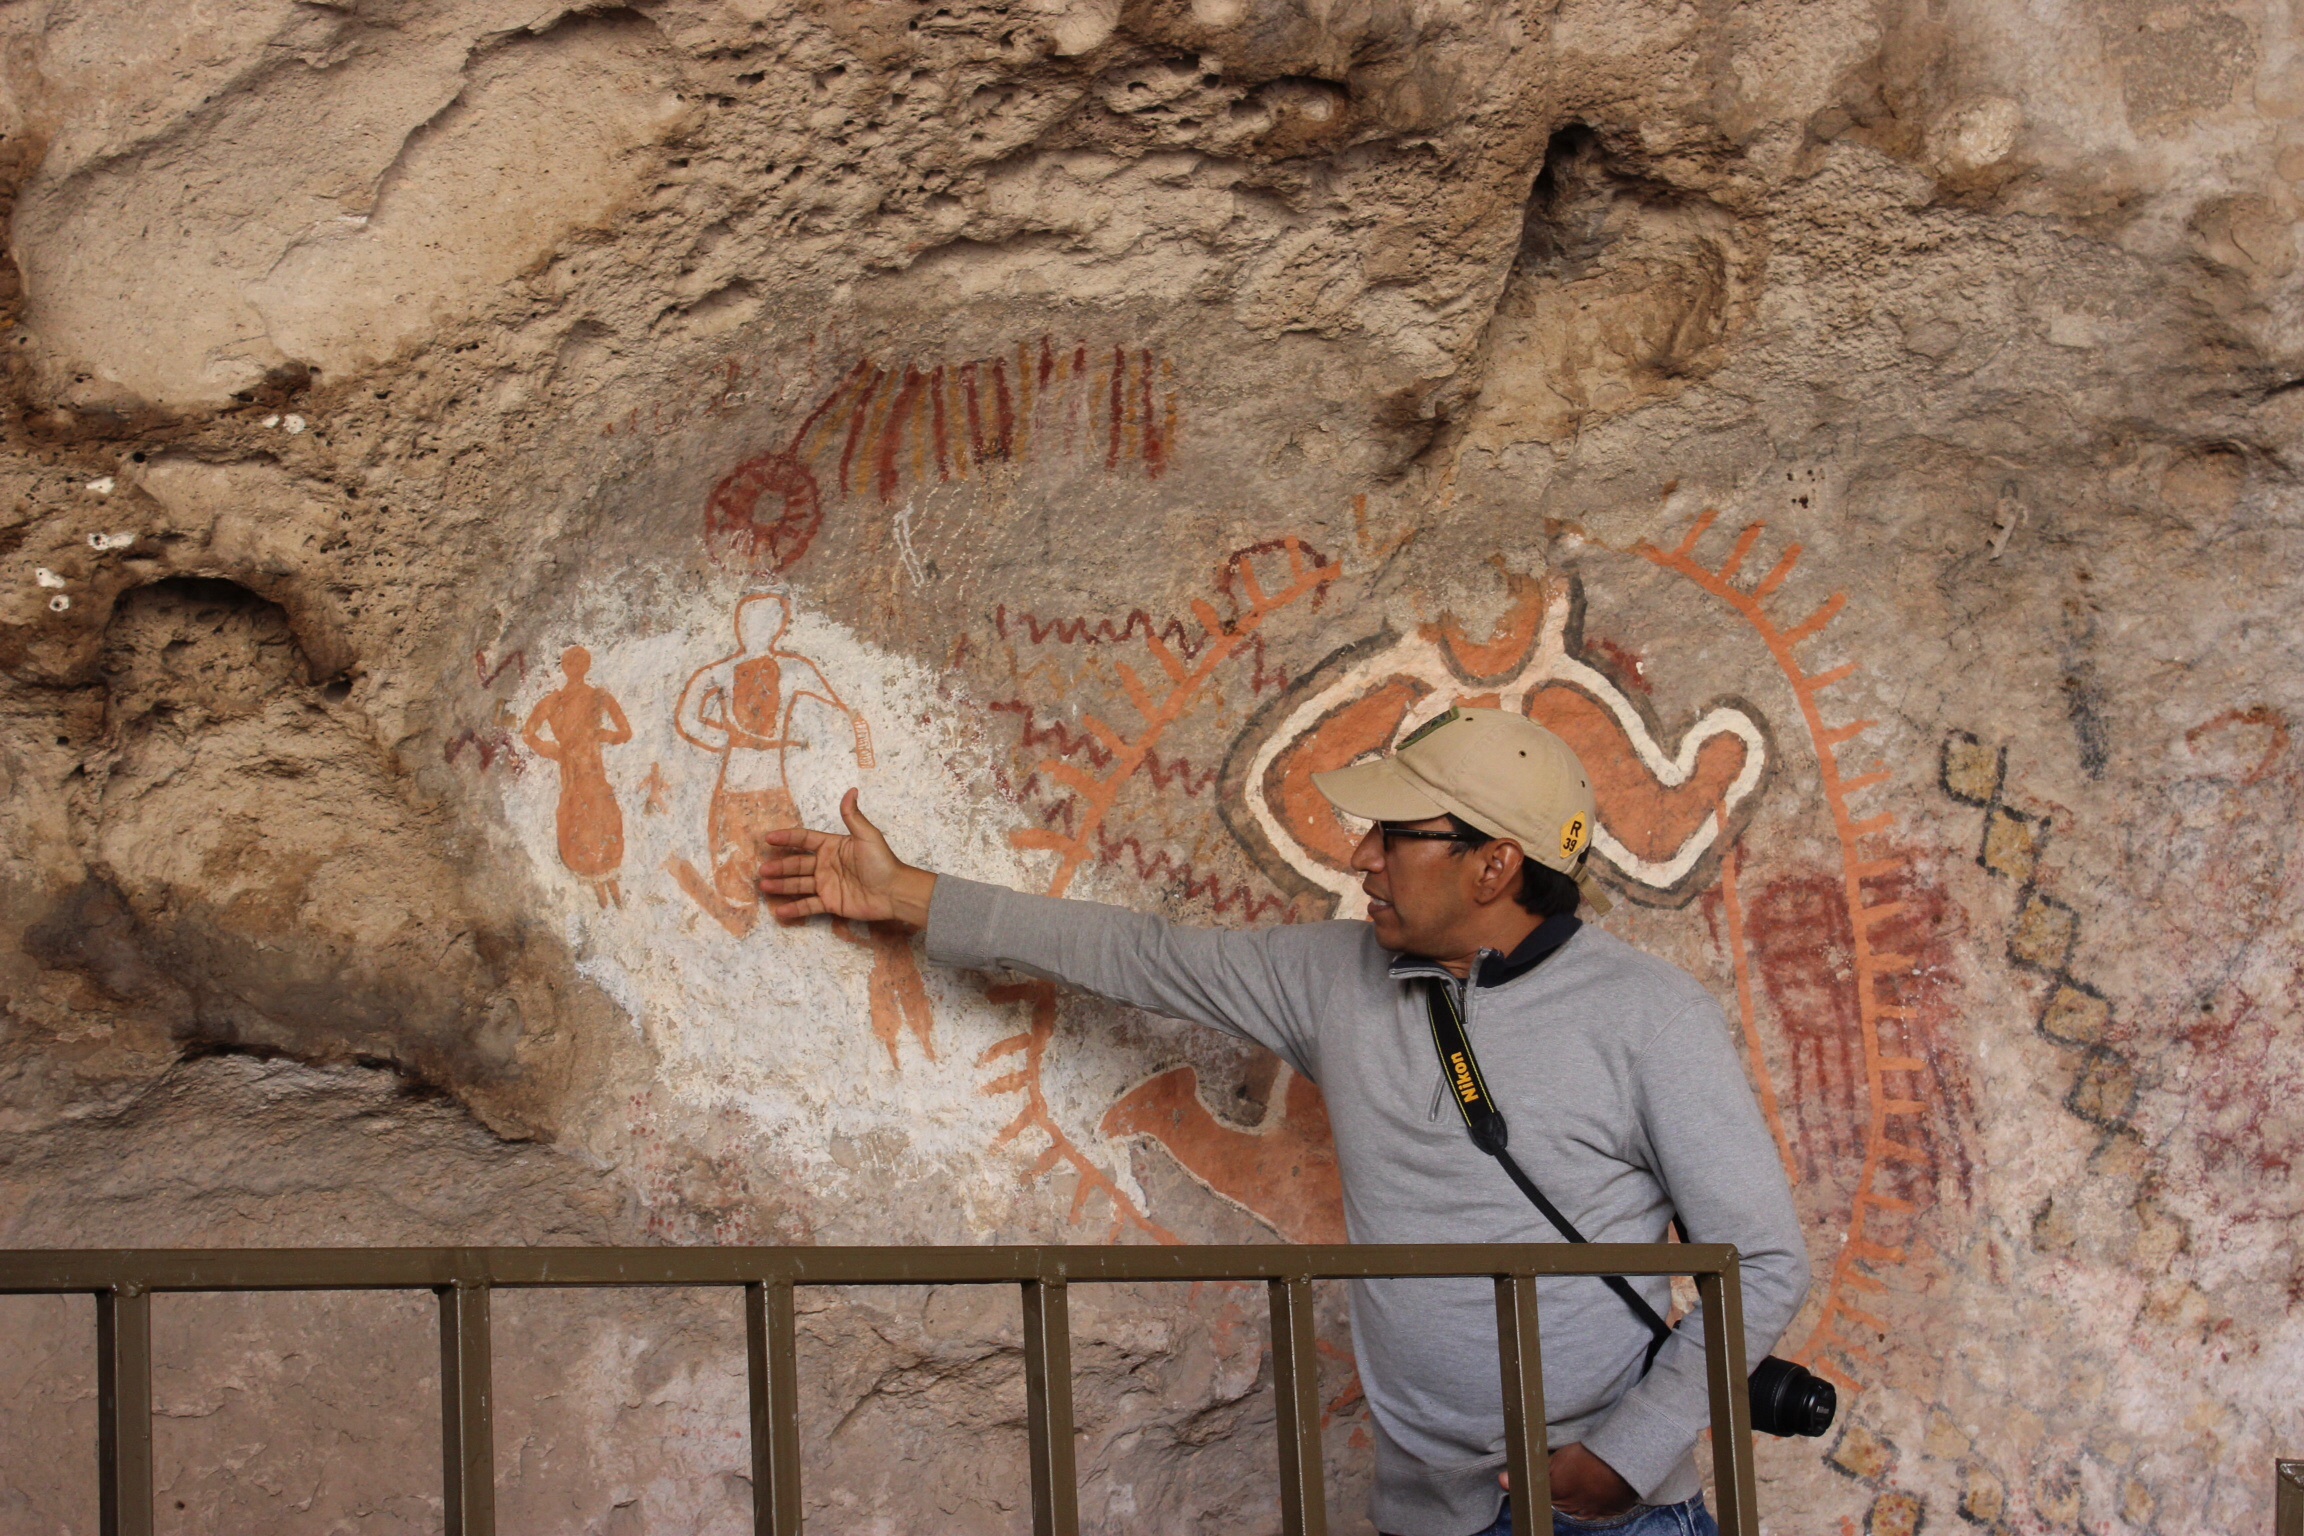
123	1281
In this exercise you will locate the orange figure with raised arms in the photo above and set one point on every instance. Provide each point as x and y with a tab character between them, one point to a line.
745	707
570	727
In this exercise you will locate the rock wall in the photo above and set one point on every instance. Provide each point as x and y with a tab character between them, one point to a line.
469	468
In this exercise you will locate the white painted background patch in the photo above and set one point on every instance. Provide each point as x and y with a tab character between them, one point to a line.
776	1024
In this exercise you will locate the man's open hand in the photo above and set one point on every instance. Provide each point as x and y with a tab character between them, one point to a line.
857	876
1584	1486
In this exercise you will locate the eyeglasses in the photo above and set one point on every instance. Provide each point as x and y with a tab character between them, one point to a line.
1393	830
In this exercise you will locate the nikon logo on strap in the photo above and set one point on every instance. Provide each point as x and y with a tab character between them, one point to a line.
1466	1088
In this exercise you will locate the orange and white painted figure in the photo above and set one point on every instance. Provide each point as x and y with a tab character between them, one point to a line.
571	727
746	708
1665	815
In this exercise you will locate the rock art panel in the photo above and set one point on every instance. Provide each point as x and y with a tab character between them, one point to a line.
1869	437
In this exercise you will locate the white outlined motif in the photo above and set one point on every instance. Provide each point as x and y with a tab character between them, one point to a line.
1428	666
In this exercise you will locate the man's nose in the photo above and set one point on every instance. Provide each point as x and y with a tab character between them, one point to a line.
1368	858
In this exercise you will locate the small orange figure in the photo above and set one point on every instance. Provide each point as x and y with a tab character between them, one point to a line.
583	719
659	791
899	996
741	707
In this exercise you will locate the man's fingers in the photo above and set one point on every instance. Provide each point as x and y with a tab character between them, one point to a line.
796	911
787	885
789	864
797	837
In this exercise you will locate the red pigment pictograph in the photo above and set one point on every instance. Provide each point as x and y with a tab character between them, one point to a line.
764	514
883	430
1894	1075
1176	688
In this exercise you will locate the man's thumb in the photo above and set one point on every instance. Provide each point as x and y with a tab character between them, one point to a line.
852	813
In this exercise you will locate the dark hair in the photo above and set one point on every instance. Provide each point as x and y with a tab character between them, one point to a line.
1543	891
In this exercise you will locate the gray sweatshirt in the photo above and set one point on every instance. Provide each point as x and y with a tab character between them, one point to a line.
1626	1102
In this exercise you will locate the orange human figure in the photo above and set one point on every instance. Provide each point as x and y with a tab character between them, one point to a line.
899	996
581	720
740	707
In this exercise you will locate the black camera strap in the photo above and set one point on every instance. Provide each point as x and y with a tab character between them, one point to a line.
1489	1133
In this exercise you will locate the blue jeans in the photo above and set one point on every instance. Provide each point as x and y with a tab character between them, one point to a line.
1689	1519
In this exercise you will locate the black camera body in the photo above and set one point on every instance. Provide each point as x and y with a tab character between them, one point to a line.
1789	1399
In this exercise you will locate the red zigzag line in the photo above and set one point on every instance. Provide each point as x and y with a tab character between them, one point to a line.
1086	631
1067	744
1196	885
490	747
1077	631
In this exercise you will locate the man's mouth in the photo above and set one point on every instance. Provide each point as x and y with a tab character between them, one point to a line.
1376	903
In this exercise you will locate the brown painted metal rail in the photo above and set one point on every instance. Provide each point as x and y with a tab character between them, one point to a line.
123	1281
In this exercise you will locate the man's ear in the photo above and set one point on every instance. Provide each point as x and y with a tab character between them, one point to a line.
1500	864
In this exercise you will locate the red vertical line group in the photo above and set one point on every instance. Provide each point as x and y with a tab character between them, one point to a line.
892	438
1119	407
1072	398
1154	461
1003	412
1167	378
798	451
919	439
1131	439
858	415
975	412
1027	400
936	427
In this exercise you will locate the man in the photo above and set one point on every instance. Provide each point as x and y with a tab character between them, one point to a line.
1626	1102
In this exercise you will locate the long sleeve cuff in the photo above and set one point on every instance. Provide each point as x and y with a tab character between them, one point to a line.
960	918
1648	1449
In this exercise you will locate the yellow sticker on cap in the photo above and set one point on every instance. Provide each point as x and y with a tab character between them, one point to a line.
1572	837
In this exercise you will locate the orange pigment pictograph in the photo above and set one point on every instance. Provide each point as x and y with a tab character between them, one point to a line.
1176	687
570	727
1893	1077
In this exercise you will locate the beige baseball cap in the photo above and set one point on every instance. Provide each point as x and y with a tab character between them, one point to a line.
1495	768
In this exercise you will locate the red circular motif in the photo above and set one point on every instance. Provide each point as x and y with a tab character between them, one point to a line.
763	514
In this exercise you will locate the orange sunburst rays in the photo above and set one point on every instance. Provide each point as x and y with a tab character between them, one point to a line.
1176	690
1861	1255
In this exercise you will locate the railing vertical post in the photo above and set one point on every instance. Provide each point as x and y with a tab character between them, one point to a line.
1296	1381
124	1411
467	1430
1722	1299
1527	1448
2288	1512
1048	1408
769	1348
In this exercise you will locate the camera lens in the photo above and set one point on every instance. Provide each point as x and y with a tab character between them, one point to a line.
1788	1399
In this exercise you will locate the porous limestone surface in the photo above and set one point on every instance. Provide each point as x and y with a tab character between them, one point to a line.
467	470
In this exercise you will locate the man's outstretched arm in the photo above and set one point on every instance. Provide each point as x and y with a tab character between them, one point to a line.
857	876
1262	985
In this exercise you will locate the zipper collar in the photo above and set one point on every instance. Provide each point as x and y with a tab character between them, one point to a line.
1491	969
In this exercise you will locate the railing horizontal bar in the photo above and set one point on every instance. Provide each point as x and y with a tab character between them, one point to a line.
50	1271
